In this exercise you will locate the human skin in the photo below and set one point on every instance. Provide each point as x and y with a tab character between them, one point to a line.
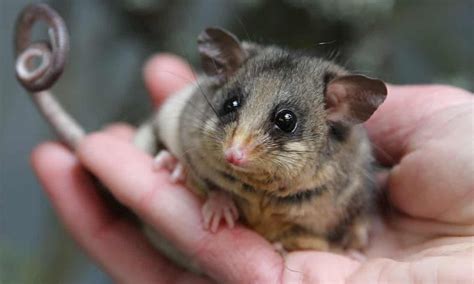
423	133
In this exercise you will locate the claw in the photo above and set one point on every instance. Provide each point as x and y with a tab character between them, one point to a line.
206	218
165	160
216	219
218	206
178	174
229	218
278	246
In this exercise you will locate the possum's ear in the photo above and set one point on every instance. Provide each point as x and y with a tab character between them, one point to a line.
221	53
353	98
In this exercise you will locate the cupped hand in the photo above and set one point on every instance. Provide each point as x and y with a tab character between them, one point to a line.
424	133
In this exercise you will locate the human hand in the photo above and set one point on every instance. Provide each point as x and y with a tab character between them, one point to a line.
424	132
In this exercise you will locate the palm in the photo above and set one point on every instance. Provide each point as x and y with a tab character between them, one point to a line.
425	236
427	231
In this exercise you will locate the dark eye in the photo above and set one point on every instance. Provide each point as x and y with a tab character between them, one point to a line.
230	105
285	120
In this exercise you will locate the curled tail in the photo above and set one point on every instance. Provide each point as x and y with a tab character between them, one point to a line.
39	79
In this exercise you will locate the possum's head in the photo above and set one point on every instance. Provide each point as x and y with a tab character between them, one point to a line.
277	110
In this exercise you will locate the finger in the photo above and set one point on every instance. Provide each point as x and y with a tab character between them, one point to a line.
111	240
165	74
440	170
229	256
392	126
120	130
216	220
437	161
234	211
318	267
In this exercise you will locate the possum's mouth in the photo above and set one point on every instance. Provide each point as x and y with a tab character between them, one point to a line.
254	173
242	169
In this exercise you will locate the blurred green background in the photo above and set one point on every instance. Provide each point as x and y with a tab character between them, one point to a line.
401	42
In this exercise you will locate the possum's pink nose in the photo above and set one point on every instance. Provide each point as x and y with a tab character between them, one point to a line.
235	156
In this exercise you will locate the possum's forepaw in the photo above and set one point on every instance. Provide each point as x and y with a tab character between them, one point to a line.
278	246
218	206
166	160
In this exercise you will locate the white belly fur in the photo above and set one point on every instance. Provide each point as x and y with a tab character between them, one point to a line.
168	119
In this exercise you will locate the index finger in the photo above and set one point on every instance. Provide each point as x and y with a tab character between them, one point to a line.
229	256
165	74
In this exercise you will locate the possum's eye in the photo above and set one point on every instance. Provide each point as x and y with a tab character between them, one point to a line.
286	120
230	105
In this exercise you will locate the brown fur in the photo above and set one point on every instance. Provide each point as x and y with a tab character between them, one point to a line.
309	189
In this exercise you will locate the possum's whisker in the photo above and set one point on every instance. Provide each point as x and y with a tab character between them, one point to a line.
326	42
239	20
196	82
186	79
